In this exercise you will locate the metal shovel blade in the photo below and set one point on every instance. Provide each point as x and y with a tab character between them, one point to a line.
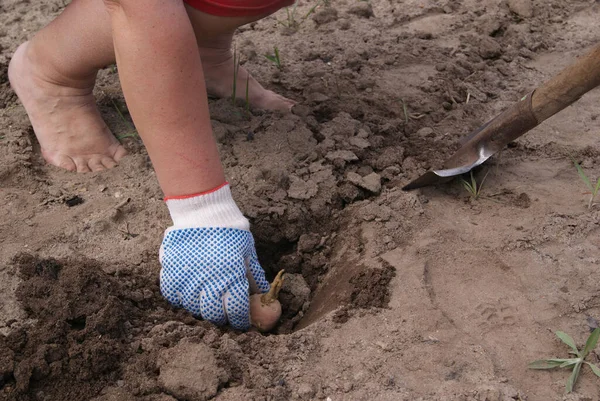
482	143
433	177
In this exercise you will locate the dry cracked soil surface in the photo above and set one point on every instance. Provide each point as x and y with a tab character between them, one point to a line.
391	295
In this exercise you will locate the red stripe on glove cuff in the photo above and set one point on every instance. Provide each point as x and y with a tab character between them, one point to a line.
198	194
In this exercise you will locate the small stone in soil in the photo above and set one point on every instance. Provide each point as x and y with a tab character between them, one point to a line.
306	391
372	183
73	201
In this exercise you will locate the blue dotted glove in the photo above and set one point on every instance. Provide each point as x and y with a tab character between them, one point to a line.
207	256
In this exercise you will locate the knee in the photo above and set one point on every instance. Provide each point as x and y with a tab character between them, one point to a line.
123	5
112	5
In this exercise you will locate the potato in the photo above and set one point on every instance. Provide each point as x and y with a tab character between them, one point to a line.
265	309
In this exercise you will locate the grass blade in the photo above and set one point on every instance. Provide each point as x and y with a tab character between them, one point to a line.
584	177
591	342
573	378
570	362
565	338
312	10
236	68
483	180
133	134
595	369
468	186
289	17
405	110
277	59
597	187
547	363
474	185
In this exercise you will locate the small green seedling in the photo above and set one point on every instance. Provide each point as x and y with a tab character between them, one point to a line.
275	59
575	363
236	68
291	21
405	109
593	189
131	134
472	187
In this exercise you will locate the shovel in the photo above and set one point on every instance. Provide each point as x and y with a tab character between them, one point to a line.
545	101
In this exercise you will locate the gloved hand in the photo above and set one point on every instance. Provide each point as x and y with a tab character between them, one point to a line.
205	257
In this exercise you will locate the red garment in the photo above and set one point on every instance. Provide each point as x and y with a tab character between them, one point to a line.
238	8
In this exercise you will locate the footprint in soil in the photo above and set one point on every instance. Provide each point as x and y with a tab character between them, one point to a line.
495	314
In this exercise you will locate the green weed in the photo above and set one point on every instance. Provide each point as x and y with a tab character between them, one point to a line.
593	189
292	20
236	67
409	116
575	363
131	134
472	187
405	109
275	58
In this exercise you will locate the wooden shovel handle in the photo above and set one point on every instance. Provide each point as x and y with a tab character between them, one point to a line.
568	86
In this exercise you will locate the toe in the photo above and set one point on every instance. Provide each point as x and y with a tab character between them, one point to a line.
273	101
82	165
119	153
65	162
108	162
95	164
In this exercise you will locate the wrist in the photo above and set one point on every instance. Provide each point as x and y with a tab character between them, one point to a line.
214	208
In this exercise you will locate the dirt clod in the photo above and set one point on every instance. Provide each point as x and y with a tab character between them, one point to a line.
190	371
523	8
371	287
362	9
326	15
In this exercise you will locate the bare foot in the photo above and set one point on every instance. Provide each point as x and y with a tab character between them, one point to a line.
217	64
65	119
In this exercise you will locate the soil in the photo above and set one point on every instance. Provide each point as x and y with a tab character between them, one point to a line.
392	295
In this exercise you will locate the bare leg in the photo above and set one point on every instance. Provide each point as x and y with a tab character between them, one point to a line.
214	36
217	62
54	75
167	101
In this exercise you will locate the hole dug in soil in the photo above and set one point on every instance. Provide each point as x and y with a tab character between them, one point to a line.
320	278
92	330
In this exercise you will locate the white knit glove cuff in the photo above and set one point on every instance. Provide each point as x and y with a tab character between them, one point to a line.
213	209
